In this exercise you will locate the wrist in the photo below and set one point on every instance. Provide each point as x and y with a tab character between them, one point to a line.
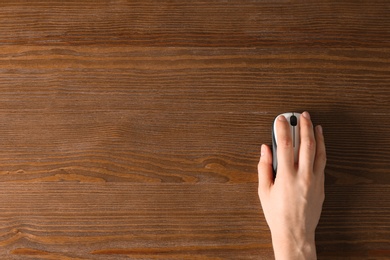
291	246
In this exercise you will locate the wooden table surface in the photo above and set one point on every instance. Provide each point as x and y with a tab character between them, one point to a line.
132	129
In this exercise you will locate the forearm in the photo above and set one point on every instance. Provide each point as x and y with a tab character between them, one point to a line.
293	247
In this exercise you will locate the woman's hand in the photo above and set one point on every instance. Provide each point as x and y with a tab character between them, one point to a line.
292	202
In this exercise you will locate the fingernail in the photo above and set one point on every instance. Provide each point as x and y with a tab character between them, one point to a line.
262	152
282	118
319	128
306	115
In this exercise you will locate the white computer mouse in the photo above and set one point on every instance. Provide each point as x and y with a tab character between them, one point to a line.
293	119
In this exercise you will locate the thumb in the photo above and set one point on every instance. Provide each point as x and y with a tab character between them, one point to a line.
266	177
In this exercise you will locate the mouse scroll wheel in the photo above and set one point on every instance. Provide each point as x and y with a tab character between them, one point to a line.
293	120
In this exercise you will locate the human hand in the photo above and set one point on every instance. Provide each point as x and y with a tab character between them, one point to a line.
292	202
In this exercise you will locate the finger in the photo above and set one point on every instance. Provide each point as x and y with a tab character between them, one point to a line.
307	148
320	158
265	170
285	150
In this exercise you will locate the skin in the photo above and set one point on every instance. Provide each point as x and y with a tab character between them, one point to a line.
292	202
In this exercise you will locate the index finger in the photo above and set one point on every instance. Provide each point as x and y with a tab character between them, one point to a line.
285	151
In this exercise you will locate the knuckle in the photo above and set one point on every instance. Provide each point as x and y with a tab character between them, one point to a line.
285	142
308	179
307	123
324	158
309	143
323	161
321	157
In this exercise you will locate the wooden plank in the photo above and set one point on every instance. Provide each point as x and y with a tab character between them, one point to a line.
196	23
141	221
175	221
193	79
215	147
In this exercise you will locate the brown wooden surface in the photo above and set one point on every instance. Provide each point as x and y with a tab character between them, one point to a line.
131	129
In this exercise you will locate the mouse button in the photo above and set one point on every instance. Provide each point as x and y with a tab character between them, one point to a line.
293	120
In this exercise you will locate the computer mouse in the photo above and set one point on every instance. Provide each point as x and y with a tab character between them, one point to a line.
293	119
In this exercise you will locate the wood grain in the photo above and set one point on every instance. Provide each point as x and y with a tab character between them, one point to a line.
93	124
119	219
209	221
196	23
131	129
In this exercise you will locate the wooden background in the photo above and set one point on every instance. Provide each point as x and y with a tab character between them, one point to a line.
132	129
